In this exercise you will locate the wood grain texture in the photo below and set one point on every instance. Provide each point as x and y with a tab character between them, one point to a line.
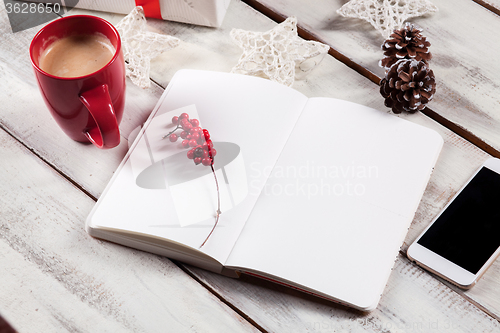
413	301
466	92
467	78
331	79
456	164
56	278
24	114
405	306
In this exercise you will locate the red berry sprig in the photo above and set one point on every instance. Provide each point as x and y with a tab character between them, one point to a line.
194	137
202	153
201	149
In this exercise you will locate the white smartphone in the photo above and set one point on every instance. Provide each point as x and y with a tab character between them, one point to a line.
464	239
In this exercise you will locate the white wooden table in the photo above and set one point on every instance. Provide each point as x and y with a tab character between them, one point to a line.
56	278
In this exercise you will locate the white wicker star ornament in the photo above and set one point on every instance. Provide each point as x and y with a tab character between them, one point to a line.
278	54
386	15
140	46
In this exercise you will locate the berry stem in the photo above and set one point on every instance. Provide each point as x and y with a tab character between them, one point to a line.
218	205
171	132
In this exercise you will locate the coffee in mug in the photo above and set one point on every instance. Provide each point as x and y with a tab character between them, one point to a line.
80	70
77	55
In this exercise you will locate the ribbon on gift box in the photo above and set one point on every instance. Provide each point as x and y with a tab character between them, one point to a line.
203	12
151	8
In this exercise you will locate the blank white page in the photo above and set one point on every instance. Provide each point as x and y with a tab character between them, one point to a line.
339	201
254	114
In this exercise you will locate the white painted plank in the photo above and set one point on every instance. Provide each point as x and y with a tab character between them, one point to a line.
458	161
24	113
464	49
56	278
413	302
459	158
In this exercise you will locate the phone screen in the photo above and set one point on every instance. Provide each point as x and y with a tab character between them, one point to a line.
467	232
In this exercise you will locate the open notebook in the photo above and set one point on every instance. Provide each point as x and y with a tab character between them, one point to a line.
315	193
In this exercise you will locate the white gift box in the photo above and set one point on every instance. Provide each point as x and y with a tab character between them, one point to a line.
201	12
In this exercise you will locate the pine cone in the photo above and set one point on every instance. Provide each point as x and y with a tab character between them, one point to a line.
406	43
408	86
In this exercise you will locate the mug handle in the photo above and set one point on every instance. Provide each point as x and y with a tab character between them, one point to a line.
106	133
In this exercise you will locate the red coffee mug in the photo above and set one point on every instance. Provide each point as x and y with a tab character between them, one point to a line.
89	107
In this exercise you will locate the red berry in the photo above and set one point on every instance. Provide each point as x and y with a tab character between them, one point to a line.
195	122
173	137
190	154
195	130
184	134
198	152
195	136
208	144
205	153
197	160
187	126
184	116
206	134
175	120
184	122
213	152
192	143
185	143
206	161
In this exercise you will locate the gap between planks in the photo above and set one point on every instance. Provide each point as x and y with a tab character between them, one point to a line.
47	162
307	35
457	129
488	6
178	264
453	288
186	270
304	33
219	296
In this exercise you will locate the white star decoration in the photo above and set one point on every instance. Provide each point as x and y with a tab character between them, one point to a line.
140	46
278	53
386	15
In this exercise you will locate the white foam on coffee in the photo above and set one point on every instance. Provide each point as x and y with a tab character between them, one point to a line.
77	55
